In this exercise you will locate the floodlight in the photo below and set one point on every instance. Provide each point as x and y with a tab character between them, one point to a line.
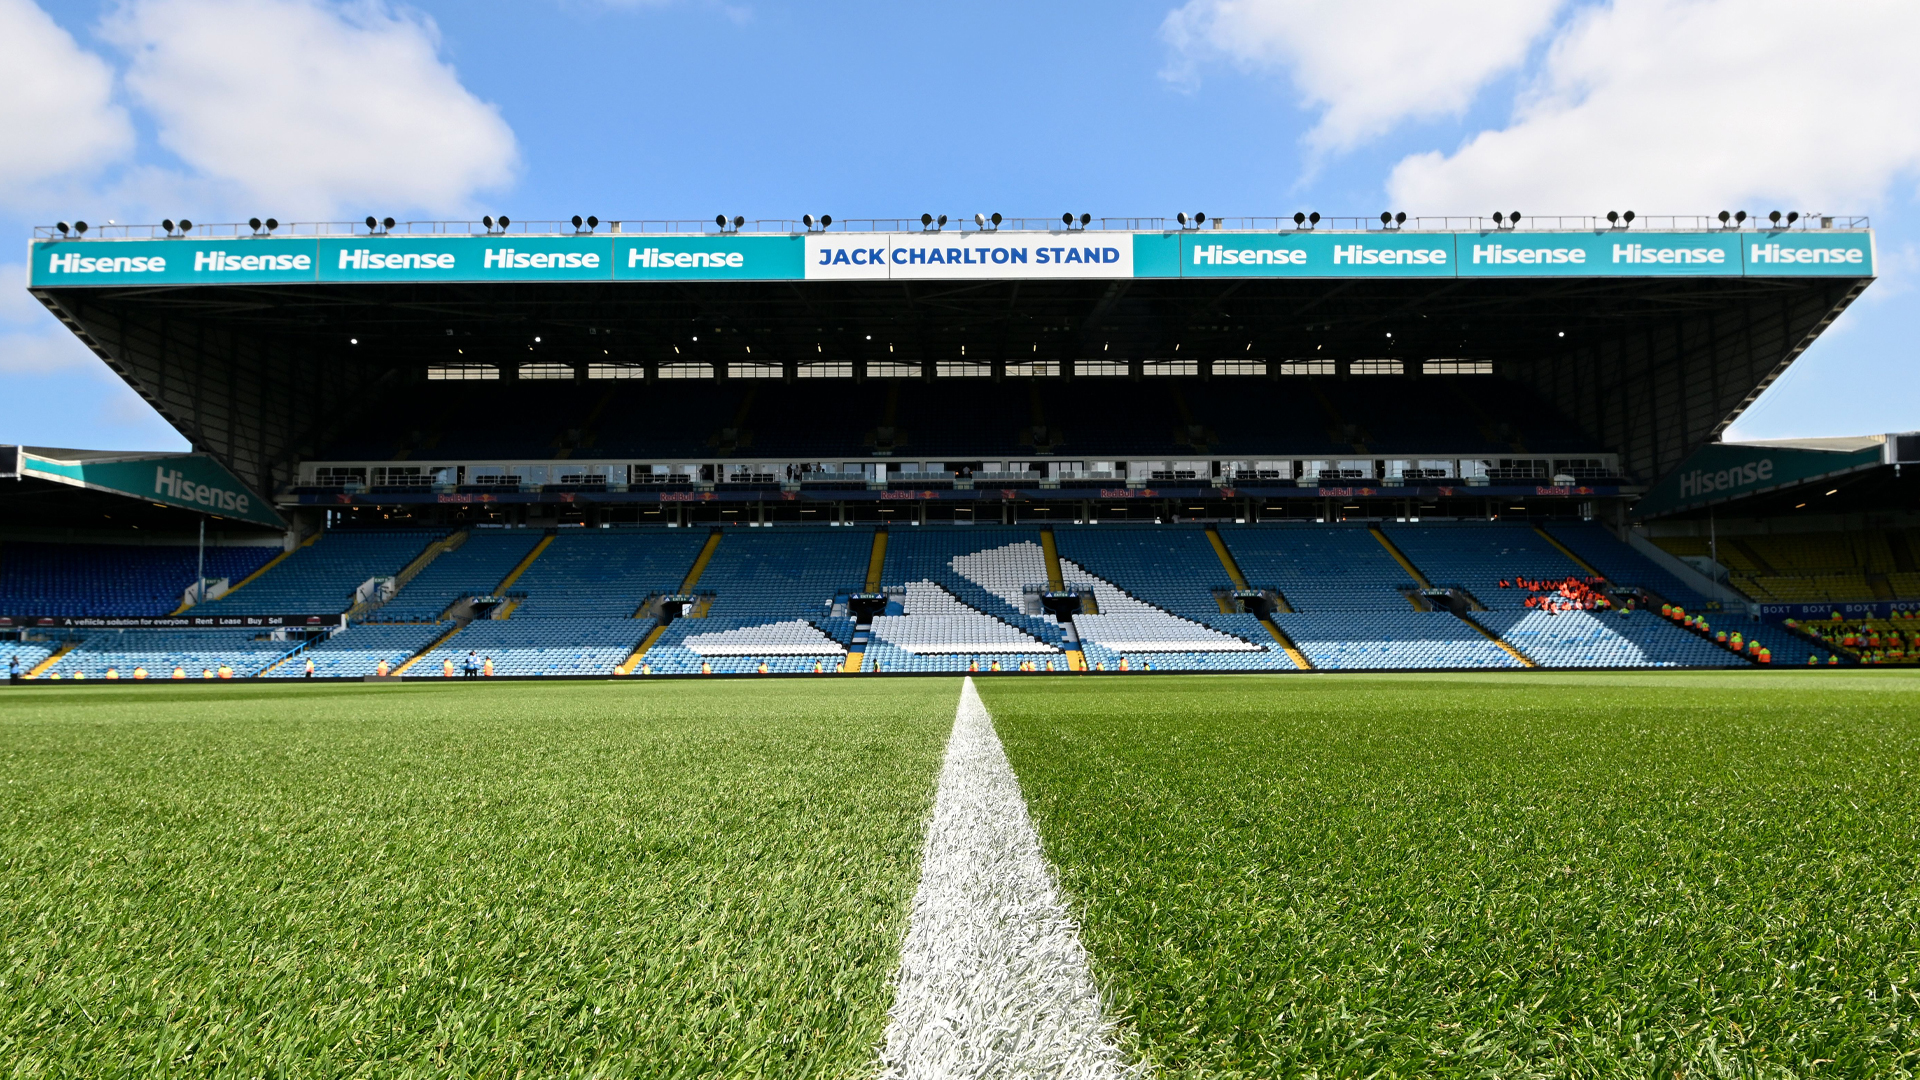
1723	217
1514	219
1627	217
1740	216
488	222
826	220
980	220
1199	219
1299	219
926	221
185	226
1314	218
371	223
1613	217
386	224
504	222
739	220
1400	218
80	227
807	220
1181	217
578	221
165	223
1386	218
1793	216
997	219
254	223
1774	217
1067	220
942	221
62	226
272	224
720	220
1085	220
1499	220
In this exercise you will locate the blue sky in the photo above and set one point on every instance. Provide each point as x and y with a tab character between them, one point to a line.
320	110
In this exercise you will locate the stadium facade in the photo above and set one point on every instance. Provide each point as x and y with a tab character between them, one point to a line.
468	380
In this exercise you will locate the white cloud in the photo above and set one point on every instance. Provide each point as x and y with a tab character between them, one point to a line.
1369	64
309	107
1692	106
57	116
32	341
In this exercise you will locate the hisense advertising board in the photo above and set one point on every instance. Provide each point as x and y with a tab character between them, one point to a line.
935	255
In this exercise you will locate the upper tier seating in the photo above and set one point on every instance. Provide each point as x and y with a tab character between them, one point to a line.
1619	563
1478	556
1803	568
1320	567
112	579
321	577
605	573
837	420
770	575
472	569
933	620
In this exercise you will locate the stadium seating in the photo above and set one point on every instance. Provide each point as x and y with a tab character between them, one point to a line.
472	569
358	650
321	577
1320	568
986	567
1477	556
1355	640
160	651
1580	639
605	573
549	646
112	579
29	652
934	621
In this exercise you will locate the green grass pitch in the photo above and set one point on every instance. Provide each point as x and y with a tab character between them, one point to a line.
1680	875
1513	875
509	880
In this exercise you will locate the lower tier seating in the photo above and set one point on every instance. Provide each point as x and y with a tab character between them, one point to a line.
160	651
539	646
1581	639
358	650
1380	639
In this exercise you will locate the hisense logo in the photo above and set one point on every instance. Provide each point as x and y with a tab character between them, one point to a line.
174	485
1701	482
682	260
72	262
1502	255
1359	255
368	259
1222	255
515	259
1642	253
1776	253
221	262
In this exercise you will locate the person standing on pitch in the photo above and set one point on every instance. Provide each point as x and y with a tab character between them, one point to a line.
13	668
473	665
309	667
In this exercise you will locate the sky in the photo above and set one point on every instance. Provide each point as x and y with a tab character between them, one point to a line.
316	110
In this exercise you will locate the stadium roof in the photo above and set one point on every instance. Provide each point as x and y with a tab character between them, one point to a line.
1652	338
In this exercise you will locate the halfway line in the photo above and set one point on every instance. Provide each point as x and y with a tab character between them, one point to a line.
993	980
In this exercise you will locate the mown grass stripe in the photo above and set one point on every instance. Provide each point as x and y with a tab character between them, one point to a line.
993	980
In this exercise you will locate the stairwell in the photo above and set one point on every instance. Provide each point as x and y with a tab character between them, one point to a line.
1239	580
448	543
863	626
255	576
662	618
1465	598
1057	583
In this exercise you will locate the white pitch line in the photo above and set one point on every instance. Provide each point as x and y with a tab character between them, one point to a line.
993	980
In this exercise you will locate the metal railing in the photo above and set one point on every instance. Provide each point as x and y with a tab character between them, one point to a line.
964	224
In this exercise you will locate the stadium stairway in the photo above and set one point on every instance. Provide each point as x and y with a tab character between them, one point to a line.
863	626
687	584
444	546
1239	580
1056	582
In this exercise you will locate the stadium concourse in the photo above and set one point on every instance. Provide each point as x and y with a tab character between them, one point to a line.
644	449
645	602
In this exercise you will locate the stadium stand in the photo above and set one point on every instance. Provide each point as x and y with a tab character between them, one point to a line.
546	646
112	579
605	573
31	653
1803	568
1407	640
472	569
772	600
322	576
357	651
1320	568
1478	556
1581	639
160	651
